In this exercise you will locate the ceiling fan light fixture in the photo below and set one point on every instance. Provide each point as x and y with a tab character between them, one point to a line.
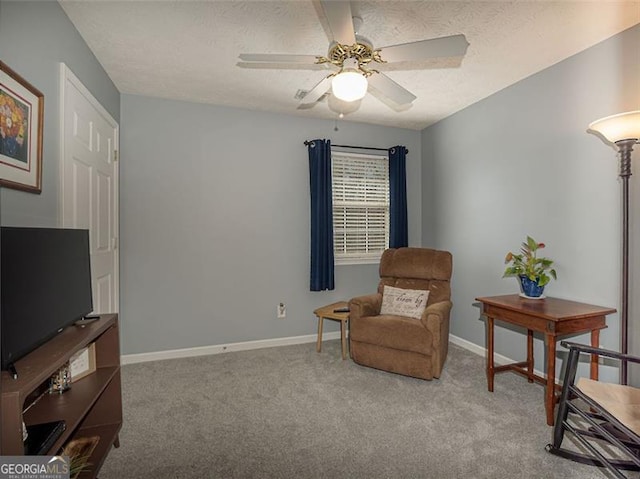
350	84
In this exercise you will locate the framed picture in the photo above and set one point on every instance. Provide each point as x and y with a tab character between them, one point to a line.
83	363
21	124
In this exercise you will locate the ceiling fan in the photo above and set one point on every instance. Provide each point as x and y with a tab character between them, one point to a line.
352	58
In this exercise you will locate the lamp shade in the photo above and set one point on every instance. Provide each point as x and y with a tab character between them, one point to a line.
337	105
350	84
614	128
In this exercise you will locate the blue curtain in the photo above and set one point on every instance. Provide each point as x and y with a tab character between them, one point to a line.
321	215
398	228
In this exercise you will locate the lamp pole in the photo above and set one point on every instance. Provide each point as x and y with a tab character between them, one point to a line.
623	131
625	147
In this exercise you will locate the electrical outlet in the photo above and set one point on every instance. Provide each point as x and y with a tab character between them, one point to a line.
281	310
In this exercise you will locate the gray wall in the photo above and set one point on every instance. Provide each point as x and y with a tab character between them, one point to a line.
520	162
215	222
215	200
34	38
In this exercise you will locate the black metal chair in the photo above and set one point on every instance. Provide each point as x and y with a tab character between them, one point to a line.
609	413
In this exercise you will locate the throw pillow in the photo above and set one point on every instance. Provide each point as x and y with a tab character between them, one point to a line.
404	302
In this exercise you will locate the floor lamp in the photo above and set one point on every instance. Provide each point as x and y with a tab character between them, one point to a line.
622	131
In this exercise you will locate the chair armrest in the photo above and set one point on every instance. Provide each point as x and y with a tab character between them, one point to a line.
436	319
583	348
365	306
441	309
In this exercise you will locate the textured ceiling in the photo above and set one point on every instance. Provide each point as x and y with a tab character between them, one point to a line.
188	50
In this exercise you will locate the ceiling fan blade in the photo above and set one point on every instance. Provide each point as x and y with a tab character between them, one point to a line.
277	58
306	106
387	87
317	91
452	46
285	66
338	15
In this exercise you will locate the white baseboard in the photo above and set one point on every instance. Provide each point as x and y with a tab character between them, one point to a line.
224	348
272	343
481	351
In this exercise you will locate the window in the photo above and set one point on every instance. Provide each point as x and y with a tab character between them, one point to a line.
360	207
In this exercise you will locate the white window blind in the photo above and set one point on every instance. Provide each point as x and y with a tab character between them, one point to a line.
360	207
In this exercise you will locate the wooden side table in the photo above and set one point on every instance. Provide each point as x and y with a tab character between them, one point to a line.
326	312
551	316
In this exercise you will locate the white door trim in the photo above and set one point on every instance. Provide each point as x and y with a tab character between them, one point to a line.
66	75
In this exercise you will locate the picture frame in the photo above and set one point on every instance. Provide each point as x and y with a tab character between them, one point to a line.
21	130
83	363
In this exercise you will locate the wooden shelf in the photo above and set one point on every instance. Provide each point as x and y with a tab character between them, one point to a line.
38	366
72	404
93	405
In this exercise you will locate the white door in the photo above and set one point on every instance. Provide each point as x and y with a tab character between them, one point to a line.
89	183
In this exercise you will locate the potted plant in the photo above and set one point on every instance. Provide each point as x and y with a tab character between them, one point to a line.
79	452
533	272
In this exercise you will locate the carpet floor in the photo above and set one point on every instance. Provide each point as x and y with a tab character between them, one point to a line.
289	412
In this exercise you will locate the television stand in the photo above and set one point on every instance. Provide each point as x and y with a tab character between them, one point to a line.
91	408
86	320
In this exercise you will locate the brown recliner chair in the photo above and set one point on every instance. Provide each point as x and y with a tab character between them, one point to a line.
413	347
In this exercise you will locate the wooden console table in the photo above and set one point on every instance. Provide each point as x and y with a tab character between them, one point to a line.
551	316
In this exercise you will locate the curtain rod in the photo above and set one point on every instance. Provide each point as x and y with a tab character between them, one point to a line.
307	143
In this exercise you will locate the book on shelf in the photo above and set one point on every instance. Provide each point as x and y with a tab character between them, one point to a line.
40	437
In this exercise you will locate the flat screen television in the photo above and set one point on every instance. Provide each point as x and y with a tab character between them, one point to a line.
45	286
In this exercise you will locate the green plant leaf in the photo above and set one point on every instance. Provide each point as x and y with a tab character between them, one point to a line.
528	264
